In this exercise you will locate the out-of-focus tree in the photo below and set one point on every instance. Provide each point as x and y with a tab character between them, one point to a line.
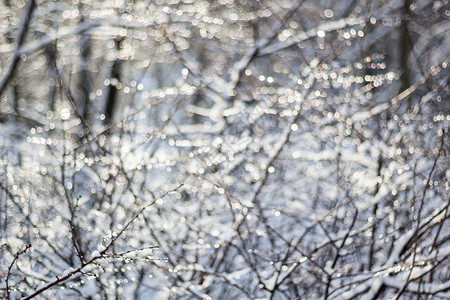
227	149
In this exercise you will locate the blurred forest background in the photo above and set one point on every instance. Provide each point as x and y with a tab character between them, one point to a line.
224	149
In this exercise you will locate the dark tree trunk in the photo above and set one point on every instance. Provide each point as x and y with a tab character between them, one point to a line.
85	78
52	73
112	90
405	79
